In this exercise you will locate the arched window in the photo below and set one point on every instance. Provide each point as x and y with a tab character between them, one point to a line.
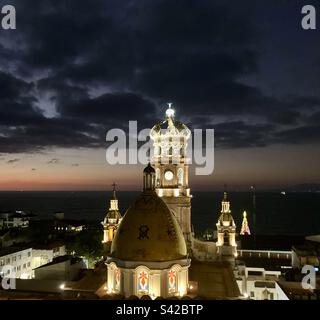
176	151
117	277
172	281
226	238
180	176
143	282
114	278
157	177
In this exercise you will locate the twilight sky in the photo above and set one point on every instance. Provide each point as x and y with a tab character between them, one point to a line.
74	69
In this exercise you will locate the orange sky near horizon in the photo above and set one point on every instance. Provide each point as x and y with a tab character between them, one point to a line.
85	169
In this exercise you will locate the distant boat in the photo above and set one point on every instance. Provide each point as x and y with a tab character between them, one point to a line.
283	193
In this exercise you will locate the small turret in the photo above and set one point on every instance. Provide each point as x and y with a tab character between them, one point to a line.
149	178
112	218
226	228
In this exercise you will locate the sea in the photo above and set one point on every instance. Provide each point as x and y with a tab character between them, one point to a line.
269	213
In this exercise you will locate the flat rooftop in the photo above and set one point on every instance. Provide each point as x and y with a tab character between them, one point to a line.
47	245
61	259
10	250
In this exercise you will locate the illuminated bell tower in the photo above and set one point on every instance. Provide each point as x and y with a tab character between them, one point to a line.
112	219
226	243
170	139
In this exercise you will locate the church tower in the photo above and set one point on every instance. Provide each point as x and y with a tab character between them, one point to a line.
226	243
112	219
170	138
245	230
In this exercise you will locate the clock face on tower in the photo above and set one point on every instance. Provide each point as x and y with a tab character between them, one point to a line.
168	175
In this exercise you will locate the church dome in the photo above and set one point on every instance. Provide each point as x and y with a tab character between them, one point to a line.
113	214
149	232
226	219
170	127
149	169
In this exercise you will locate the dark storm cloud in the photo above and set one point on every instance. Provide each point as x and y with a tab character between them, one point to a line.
42	133
238	134
96	65
108	109
12	88
299	135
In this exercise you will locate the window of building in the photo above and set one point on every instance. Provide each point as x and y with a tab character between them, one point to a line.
24	266
2	262
255	273
226	238
172	281
19	257
28	264
29	254
14	258
180	176
117	277
8	261
252	294
143	282
158	177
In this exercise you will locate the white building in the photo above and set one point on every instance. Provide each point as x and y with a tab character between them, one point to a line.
258	283
18	219
43	254
19	263
16	263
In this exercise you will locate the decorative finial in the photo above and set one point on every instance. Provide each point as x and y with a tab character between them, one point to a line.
170	111
114	189
244	214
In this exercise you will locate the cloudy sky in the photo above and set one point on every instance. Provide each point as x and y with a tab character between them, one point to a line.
74	69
